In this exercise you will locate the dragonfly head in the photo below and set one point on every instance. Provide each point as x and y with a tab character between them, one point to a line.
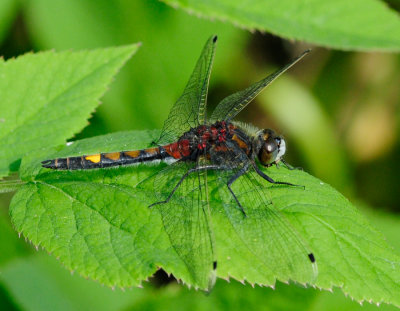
269	147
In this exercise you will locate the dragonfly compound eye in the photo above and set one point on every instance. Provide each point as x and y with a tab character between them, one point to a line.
268	151
272	149
271	146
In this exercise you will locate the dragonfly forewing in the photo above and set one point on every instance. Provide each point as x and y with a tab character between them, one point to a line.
229	107
190	109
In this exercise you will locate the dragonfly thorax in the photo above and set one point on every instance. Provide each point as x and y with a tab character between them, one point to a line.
269	147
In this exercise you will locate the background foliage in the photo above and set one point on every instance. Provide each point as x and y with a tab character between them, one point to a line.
338	110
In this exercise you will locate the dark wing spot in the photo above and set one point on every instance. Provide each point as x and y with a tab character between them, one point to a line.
215	39
311	257
214	265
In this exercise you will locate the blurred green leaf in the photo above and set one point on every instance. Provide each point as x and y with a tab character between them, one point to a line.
148	86
37	89
67	24
8	10
98	223
337	301
356	25
10	247
234	296
227	296
6	302
38	283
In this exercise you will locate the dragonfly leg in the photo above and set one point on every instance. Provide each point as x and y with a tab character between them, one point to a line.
192	170
242	171
269	179
289	166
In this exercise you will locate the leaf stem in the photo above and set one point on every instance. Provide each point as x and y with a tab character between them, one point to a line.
10	185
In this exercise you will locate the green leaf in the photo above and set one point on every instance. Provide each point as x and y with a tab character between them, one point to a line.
356	25
98	223
47	97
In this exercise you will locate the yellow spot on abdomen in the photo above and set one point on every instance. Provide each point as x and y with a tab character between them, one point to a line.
112	155
93	158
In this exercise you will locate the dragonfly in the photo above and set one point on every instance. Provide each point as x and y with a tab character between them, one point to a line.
215	152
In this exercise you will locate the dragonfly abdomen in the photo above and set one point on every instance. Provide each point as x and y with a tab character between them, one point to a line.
101	160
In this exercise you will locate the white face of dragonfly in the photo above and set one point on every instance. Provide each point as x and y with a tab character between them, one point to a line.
281	149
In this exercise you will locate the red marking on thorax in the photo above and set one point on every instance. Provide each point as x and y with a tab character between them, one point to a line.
172	150
214	132
184	147
178	149
206	136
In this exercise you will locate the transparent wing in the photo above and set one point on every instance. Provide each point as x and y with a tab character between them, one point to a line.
190	109
229	107
265	231
186	219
